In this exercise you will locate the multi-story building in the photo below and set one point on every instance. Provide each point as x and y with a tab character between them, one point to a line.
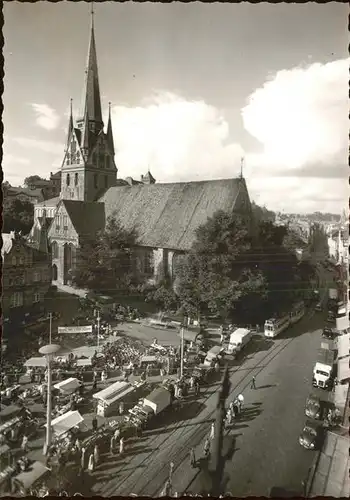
26	276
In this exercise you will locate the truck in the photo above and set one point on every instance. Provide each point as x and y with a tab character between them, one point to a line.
332	294
238	339
158	400
323	369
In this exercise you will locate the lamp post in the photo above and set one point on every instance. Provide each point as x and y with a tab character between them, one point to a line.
182	353
98	328
49	351
217	468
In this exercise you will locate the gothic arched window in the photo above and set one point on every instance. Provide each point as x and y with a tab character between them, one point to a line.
73	147
68	159
106	181
78	157
94	159
108	161
95	180
76	179
54	250
68	179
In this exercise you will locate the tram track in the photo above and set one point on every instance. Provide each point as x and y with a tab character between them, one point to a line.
187	434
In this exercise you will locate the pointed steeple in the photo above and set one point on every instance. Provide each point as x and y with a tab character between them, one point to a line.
70	123
84	143
91	94
110	131
43	237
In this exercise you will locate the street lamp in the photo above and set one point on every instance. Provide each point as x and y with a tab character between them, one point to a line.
49	351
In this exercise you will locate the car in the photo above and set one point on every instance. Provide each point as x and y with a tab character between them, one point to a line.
310	435
328	333
316	407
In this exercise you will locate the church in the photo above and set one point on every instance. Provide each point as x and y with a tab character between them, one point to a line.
165	216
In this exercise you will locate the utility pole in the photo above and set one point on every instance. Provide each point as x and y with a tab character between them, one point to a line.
217	468
182	353
98	328
50	334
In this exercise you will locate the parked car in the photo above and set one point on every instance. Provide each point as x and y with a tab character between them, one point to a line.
328	333
310	435
317	407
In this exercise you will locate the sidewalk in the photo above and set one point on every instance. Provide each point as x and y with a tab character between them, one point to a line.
331	475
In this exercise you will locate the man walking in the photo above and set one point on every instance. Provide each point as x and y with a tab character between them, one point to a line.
212	431
252	384
94	423
192	458
207	447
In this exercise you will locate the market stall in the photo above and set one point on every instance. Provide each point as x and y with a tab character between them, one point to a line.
37	362
28	482
68	386
64	423
109	399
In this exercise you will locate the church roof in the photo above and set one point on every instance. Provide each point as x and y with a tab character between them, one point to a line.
51	202
167	215
87	217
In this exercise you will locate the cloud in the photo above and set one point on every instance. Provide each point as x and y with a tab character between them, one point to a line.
300	118
177	139
46	117
45	146
10	159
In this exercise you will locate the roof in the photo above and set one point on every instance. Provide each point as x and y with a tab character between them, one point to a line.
167	215
39	361
87	217
27	478
56	175
33	193
51	202
66	422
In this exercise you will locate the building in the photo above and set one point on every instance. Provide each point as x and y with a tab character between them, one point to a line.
164	216
33	196
26	275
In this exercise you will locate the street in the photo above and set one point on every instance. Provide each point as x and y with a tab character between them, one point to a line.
269	427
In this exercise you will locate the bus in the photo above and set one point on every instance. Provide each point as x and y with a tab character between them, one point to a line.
298	312
275	326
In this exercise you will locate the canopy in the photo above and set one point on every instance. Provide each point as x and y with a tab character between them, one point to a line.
36	362
114	391
28	478
4	449
343	342
84	362
343	370
10	410
342	323
66	422
148	359
9	424
69	385
216	350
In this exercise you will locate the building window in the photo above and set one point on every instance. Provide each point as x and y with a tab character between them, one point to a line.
14	261
94	158
73	147
78	158
21	260
76	179
54	249
68	159
68	179
106	181
95	181
17	299
36	297
36	276
108	160
65	222
148	263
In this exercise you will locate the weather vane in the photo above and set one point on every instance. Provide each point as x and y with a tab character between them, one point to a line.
242	165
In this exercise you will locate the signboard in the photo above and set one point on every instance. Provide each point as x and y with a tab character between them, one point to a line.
75	329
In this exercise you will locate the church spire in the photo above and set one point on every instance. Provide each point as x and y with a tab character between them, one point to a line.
91	95
110	131
70	123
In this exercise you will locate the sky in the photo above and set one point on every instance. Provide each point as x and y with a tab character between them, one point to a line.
194	89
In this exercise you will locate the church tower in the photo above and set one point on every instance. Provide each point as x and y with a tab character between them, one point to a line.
88	167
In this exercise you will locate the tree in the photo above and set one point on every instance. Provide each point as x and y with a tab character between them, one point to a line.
18	216
318	244
105	263
31	179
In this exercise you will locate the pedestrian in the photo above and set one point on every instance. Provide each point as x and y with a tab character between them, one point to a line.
91	464
192	458
82	458
96	454
121	446
217	367
94	385
78	445
206	447
112	445
121	408
166	490
252	384
24	445
212	431
5	380
117	434
197	388
229	417
94	423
